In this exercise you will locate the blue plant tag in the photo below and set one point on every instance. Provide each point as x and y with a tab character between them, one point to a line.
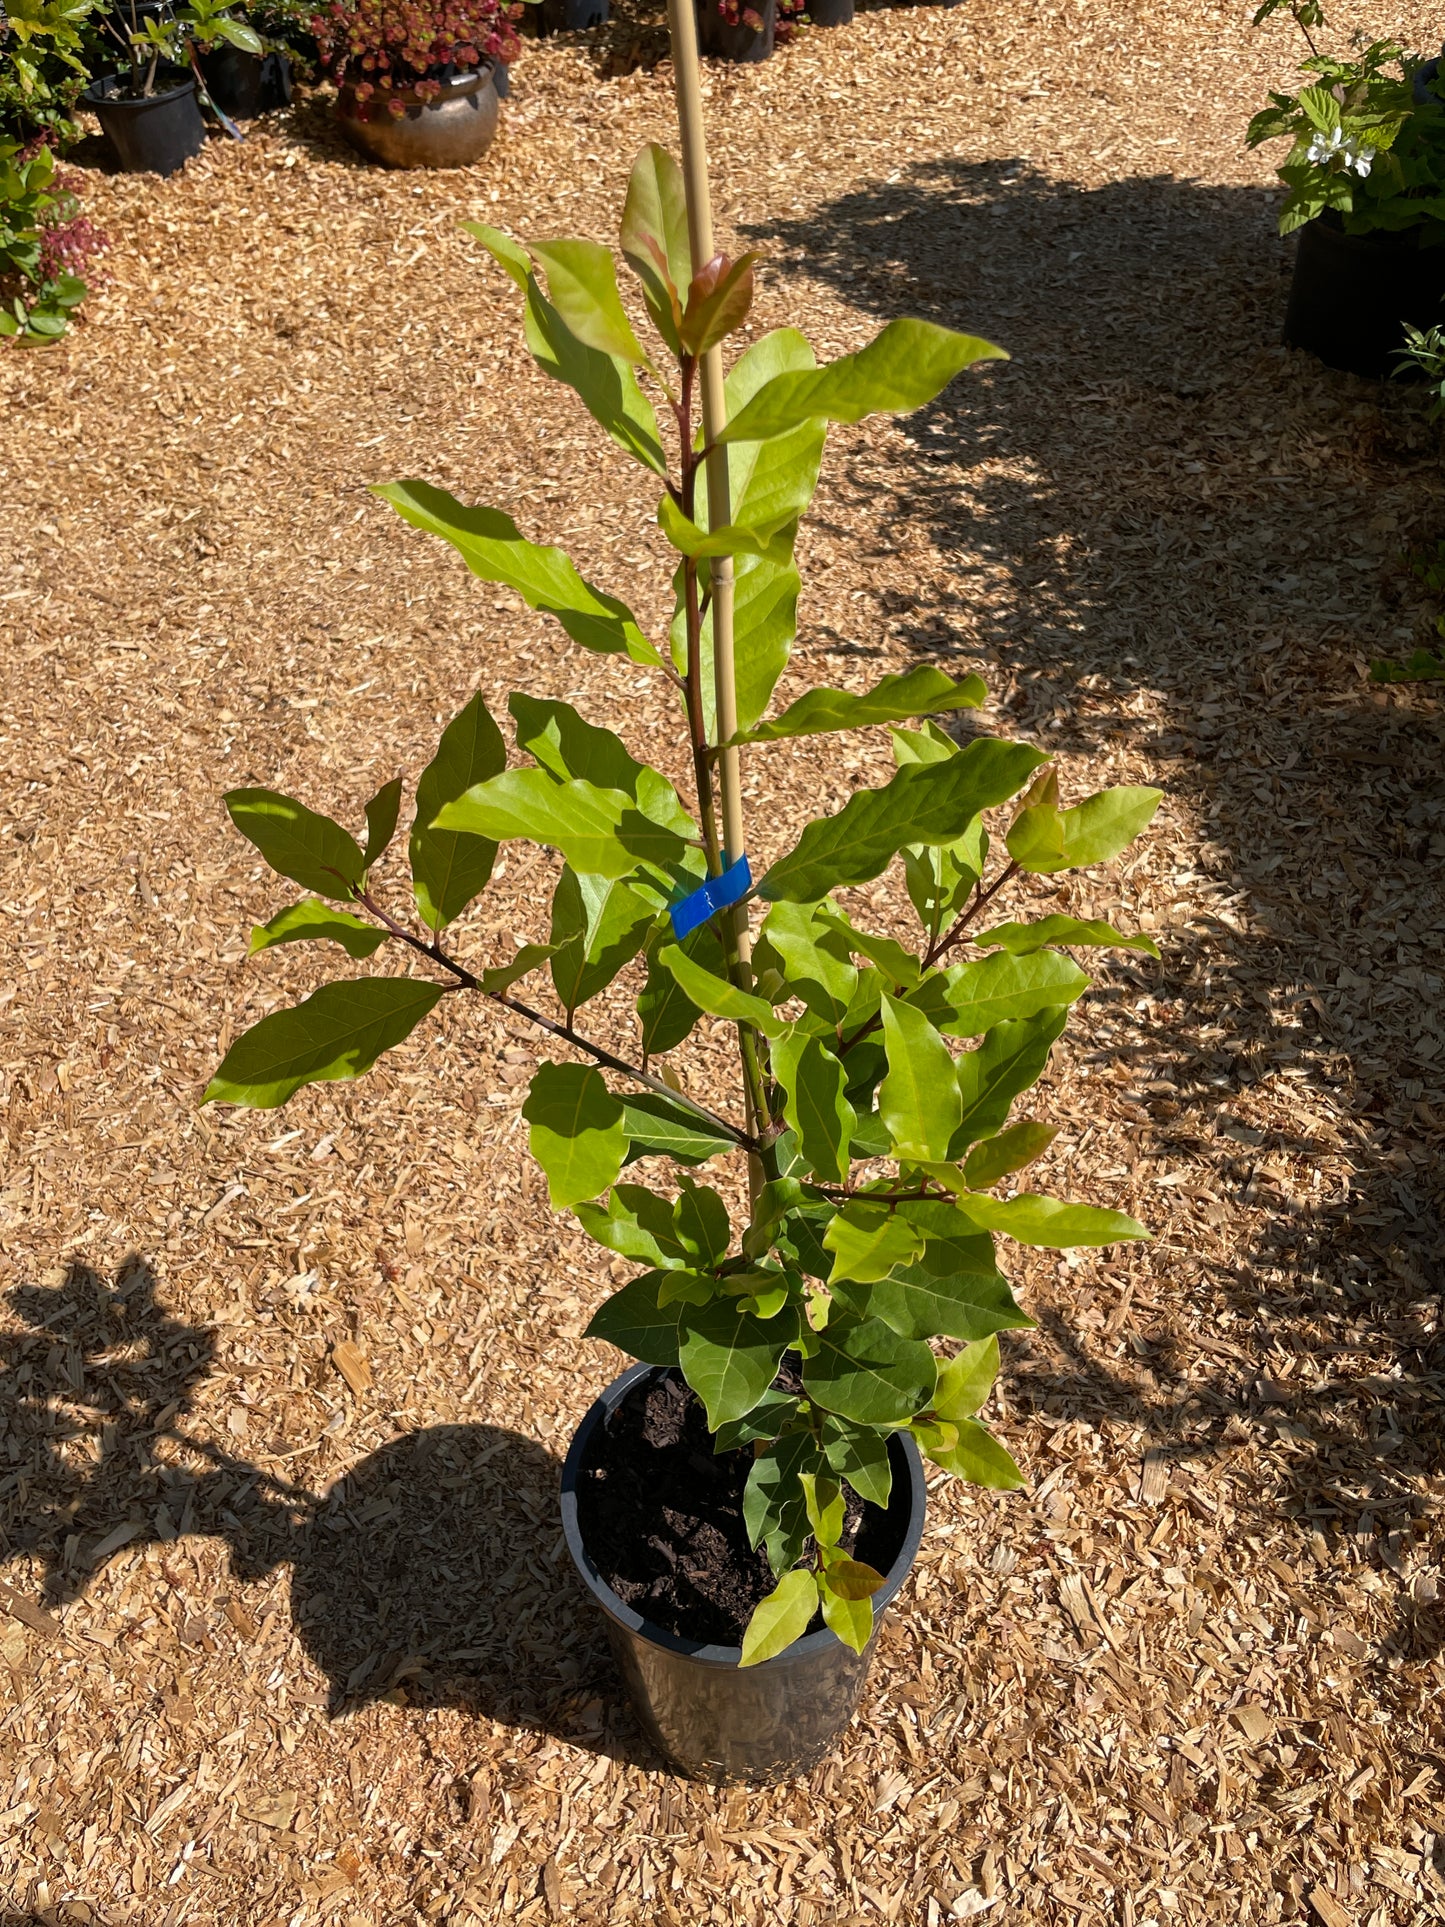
714	895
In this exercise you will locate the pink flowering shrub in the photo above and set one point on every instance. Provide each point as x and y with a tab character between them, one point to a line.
379	45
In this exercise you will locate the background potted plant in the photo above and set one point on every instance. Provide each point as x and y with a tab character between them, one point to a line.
243	84
1366	174
415	76
46	245
150	110
740	30
42	70
786	1318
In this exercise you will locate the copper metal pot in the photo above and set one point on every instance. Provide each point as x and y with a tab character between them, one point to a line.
453	130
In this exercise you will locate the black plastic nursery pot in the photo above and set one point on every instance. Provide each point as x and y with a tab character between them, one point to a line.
831	13
244	85
570	16
152	134
713	1719
1352	295
722	41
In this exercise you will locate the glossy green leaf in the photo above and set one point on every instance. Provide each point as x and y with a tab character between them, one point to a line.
810	955
1009	1061
852	1578
773	1509
780	1619
703	1225
1021	939
980	1458
304	922
729	1356
1044	840
570	749
582	287
919	1099
908	694
848	1619
632	1320
812	1080
765	621
972	997
770	484
903	367
824	1504
493	548
598	927
449	867
605	384
298	843
718	995
381	814
860	1455
655	237
1039	1221
868	1240
665	1011
657	1128
576	1131
600	832
637	1223
954	1290
771	1415
337	1033
965	1381
899	966
926	744
926	803
502	976
865	1371
688	539
1012	1150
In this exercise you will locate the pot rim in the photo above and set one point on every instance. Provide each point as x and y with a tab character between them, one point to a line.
714	1654
93	98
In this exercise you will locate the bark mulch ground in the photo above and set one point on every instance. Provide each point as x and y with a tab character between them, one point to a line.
285	1644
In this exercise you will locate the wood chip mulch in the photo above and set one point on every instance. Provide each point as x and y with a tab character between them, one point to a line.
286	1631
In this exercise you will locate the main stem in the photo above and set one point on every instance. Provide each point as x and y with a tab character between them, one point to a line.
734	922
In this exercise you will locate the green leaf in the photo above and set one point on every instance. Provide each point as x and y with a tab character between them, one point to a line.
849	1619
781	1618
730	1356
582	287
688	539
980	1458
811	957
1021	939
954	1291
338	1033
770	484
381	814
527	959
930	744
824	1504
493	548
312	850
1039	1221
703	1226
301	922
718	995
598	927
598	831
449	868
633	1321
926	803
772	1413
1013	1149
965	1381
765	621
1010	1059
860	1455
576	1131
865	1371
605	384
1044	840
718	299
972	997
637	1223
773	1509
909	694
899	370
919	1099
665	1011
655	237
656	1128
812	1080
569	748
867	1241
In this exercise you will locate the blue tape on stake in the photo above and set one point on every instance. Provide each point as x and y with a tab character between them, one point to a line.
714	895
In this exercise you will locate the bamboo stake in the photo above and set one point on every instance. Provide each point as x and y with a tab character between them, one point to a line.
687	80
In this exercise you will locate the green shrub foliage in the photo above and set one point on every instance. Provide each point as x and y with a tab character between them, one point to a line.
878	1078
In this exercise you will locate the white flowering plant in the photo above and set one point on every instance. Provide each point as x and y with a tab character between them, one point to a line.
1367	143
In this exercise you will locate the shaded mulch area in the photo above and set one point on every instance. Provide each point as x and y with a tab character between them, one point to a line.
283	1650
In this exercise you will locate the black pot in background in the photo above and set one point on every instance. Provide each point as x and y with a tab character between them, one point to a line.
723	42
713	1719
570	16
1352	295
244	85
831	13
501	79
156	134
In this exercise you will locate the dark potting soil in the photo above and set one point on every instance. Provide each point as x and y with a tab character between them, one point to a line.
662	1516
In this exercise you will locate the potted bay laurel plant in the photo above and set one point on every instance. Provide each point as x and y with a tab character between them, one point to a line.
1366	179
817	1296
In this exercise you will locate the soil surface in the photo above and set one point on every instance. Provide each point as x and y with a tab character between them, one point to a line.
662	1515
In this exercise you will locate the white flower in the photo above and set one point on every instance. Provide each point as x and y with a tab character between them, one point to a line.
1334	144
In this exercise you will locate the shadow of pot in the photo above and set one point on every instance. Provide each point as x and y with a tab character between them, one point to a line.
452	130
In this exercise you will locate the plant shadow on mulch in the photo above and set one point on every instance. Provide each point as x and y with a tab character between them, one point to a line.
432	1573
1144	315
